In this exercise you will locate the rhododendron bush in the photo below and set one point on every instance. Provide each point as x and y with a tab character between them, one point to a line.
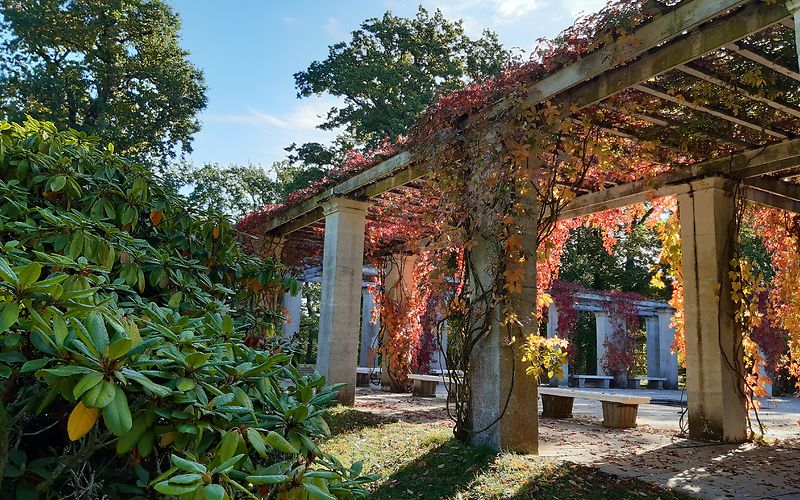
138	352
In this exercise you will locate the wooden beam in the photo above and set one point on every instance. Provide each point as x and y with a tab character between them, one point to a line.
789	110
656	32
388	167
751	19
776	187
770	199
760	59
674	182
710	111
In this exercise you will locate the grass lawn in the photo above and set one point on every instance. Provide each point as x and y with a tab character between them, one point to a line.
423	461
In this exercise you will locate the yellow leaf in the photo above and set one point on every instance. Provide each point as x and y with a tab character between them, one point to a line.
81	421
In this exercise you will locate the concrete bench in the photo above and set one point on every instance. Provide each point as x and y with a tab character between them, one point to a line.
635	382
425	385
603	379
619	411
363	375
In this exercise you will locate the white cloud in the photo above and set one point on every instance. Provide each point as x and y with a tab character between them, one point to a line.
334	29
578	7
307	115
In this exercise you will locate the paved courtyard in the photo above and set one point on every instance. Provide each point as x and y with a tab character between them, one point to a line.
654	451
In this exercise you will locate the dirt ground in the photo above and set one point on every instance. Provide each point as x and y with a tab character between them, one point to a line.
653	451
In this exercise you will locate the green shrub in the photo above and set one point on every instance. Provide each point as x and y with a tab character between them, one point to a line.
138	353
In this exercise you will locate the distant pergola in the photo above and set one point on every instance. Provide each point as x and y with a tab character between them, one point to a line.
674	53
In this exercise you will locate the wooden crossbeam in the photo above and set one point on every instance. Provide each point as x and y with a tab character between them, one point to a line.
710	111
742	165
789	110
776	187
760	59
656	32
751	19
770	199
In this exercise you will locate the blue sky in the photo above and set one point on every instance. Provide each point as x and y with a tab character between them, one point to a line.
249	50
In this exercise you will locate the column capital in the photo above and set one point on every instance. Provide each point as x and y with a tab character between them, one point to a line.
792	6
333	205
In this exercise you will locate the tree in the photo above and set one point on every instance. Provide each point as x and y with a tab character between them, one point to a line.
234	190
393	67
113	69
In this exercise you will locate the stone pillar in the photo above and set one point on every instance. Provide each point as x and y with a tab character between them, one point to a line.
293	305
340	311
604	331
369	330
398	284
668	358
762	372
439	358
497	374
653	333
794	7
714	388
561	378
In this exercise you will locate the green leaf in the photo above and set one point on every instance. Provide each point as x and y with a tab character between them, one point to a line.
57	183
8	316
30	273
35	365
214	492
228	445
119	348
317	493
227	464
67	370
257	441
7	273
185	384
157	389
176	489
117	414
87	382
280	443
100	395
97	329
185	478
273	479
187	465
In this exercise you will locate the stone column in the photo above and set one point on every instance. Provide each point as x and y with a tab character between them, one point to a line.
561	378
604	331
668	358
762	372
439	358
497	374
714	388
293	304
653	333
369	330
398	284
794	8
340	311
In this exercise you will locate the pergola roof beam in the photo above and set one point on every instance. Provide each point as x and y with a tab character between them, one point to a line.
713	112
659	30
751	19
729	86
762	60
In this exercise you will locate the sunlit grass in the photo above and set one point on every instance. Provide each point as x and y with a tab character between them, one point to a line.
423	461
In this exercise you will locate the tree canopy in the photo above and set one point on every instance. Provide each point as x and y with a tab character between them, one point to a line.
112	69
393	67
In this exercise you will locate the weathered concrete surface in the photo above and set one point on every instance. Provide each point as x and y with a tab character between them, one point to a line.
713	353
369	330
499	385
293	305
651	452
340	308
668	360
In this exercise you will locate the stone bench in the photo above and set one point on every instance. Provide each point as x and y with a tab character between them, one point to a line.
619	411
364	374
635	382
604	379
425	385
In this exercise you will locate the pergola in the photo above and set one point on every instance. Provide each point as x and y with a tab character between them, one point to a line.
750	145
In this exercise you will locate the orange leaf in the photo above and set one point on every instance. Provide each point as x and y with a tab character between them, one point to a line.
156	216
81	421
215	232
